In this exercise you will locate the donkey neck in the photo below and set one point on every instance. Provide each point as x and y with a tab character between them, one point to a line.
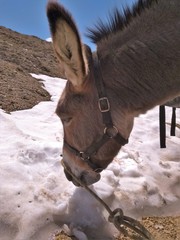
140	64
141	75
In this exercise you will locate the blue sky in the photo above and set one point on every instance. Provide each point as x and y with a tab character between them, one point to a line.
29	16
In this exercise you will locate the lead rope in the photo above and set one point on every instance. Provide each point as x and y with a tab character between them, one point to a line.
117	217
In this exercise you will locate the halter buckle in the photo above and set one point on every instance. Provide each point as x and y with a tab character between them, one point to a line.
104	105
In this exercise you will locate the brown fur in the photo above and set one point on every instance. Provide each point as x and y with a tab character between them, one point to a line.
140	66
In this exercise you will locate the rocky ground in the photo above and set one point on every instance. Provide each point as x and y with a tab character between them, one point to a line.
21	55
162	228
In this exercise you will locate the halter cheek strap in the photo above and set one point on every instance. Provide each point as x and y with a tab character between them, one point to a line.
104	106
110	131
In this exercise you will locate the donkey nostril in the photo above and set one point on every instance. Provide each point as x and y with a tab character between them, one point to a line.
83	177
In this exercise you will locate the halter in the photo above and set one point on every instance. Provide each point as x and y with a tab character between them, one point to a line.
110	131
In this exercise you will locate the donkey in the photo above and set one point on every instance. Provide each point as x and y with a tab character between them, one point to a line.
136	67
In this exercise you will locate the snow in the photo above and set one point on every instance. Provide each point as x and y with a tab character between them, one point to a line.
36	200
49	39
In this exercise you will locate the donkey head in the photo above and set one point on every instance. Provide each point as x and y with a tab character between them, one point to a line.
78	106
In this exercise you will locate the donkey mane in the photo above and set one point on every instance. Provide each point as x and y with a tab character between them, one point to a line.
117	20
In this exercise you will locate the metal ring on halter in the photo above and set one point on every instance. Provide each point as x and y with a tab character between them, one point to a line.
111	131
83	156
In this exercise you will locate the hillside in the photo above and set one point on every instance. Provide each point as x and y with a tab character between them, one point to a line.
21	55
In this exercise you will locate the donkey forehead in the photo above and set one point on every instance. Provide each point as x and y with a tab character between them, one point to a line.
70	101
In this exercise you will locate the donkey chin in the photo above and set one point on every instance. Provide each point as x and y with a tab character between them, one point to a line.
80	176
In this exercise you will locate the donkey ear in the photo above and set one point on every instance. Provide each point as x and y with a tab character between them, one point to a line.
67	43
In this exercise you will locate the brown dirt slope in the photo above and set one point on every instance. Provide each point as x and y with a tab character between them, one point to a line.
21	55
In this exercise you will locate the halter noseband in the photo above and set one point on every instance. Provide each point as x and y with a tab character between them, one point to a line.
110	131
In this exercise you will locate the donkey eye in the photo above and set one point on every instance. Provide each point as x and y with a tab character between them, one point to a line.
66	119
